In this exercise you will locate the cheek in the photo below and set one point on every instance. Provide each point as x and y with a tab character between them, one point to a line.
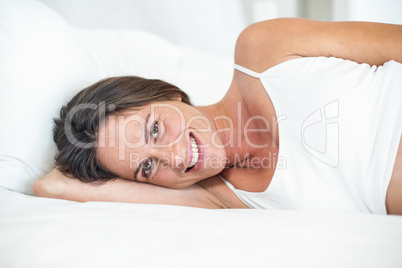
167	177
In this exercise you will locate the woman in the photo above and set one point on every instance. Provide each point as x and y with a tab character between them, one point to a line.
261	145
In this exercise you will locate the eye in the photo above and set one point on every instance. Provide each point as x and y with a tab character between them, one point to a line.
147	168
155	130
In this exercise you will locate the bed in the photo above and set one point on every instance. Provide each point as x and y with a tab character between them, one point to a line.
43	62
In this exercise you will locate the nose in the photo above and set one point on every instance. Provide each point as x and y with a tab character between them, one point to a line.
170	155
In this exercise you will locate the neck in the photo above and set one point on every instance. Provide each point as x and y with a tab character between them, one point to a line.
228	118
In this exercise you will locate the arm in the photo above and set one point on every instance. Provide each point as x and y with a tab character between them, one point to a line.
56	185
266	44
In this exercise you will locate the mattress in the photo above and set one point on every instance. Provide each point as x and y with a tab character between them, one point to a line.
41	232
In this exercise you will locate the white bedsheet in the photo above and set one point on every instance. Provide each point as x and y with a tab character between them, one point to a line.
37	232
40	232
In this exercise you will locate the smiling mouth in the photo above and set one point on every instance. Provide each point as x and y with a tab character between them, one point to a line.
195	153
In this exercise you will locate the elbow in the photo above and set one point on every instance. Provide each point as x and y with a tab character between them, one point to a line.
38	188
47	187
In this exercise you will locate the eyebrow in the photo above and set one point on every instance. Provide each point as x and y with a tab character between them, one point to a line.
146	133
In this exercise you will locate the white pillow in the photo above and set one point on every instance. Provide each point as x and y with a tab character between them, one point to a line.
40	62
44	62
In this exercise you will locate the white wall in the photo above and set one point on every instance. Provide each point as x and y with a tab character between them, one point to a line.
389	11
258	10
211	25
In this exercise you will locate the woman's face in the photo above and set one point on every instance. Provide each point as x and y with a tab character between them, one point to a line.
170	144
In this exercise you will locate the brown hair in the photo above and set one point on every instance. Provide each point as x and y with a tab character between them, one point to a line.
75	132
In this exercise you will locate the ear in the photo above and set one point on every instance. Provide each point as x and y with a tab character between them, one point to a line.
177	98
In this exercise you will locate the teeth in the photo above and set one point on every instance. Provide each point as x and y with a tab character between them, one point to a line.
195	153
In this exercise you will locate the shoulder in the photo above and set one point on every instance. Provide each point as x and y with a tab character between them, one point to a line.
262	45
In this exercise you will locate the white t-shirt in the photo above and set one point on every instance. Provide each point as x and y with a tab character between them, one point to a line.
340	125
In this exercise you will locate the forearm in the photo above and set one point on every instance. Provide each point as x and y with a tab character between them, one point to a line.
56	185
